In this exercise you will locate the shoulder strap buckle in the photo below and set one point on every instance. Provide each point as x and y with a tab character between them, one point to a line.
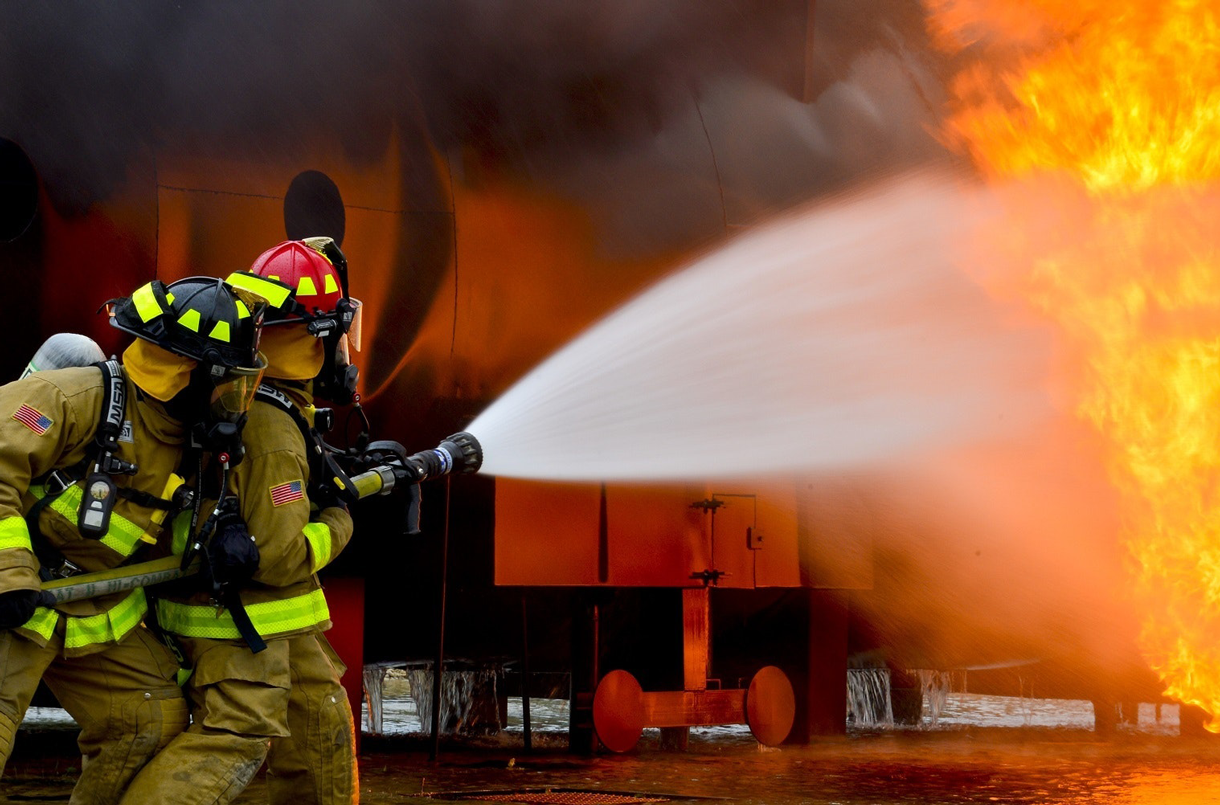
56	482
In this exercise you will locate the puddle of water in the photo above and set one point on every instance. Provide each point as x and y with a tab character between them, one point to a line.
982	749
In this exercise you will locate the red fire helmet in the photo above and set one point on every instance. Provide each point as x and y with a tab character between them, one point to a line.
308	271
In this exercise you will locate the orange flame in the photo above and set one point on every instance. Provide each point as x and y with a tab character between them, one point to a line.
1121	105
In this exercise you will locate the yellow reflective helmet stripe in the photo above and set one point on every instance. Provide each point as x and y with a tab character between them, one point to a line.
305	287
122	538
275	293
110	626
269	617
317	536
220	332
190	320
14	534
243	312
146	304
329	285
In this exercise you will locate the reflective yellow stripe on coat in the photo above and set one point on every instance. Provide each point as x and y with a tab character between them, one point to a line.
14	534
318	537
110	626
269	617
123	537
42	623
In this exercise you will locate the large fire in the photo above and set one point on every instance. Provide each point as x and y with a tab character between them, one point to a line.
1106	118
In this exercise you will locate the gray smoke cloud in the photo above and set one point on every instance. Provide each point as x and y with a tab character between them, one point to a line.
88	87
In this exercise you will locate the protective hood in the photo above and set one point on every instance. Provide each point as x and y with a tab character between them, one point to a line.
292	353
159	372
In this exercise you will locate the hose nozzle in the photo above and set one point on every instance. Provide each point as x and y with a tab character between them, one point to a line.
460	453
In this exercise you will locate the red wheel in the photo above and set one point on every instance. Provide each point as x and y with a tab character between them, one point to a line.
618	711
770	706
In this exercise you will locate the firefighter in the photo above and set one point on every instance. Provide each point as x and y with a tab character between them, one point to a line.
284	703
89	464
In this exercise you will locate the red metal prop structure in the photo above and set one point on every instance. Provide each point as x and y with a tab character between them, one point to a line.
484	231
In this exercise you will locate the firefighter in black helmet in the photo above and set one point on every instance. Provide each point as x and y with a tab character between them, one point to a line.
218	331
88	479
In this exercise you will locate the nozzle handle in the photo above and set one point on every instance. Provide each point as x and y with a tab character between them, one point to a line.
411	523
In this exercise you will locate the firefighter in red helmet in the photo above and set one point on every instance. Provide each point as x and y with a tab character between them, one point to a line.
285	702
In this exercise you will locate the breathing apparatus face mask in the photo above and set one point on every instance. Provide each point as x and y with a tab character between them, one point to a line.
228	392
338	378
233	391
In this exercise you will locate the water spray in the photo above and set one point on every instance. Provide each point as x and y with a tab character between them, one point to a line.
850	334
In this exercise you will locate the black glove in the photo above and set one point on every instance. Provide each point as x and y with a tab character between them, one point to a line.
17	607
326	496
231	556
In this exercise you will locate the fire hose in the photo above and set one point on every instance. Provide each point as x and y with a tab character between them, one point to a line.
391	467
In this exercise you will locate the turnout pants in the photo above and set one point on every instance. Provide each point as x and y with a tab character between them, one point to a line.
125	699
316	763
285	699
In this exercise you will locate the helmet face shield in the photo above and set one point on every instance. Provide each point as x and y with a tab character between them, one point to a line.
355	326
233	391
343	355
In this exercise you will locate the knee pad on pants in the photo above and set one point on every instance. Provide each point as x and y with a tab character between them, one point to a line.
8	731
338	745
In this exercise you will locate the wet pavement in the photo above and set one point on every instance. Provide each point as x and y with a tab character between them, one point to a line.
969	766
1051	765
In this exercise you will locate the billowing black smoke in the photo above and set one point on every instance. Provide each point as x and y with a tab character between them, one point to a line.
86	87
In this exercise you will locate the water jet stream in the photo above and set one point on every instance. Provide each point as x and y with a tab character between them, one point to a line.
845	333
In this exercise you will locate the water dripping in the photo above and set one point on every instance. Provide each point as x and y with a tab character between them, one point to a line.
869	703
468	699
935	686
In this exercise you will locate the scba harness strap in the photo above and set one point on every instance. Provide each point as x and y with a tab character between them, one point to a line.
322	464
93	520
100	492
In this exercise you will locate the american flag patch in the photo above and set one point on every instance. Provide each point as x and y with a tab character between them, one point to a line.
286	493
33	419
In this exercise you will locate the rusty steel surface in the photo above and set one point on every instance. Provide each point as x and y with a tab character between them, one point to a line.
693	708
651	535
696	638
